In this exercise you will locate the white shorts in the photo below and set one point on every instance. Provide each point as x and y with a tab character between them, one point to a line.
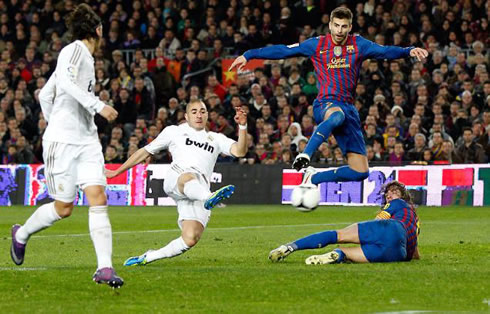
187	209
68	166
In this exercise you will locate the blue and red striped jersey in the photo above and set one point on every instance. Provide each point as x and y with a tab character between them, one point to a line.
336	66
404	213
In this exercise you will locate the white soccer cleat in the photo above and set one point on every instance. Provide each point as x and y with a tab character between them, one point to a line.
309	172
301	161
280	253
328	258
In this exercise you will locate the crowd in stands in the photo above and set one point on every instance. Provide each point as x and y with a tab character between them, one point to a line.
436	111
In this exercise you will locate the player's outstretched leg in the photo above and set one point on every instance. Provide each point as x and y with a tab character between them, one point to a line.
334	257
17	249
218	196
280	253
108	276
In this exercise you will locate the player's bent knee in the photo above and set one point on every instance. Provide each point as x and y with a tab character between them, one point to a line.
63	209
191	239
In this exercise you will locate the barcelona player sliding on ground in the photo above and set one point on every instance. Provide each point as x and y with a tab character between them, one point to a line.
391	237
337	59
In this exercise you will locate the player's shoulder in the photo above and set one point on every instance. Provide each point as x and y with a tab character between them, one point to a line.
215	136
399	203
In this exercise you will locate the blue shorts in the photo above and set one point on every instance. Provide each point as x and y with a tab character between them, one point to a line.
383	240
349	135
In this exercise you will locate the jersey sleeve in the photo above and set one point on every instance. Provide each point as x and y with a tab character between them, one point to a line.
306	48
47	95
371	49
67	71
162	141
224	144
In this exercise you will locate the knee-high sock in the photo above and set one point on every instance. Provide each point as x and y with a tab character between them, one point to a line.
101	234
315	241
341	174
174	248
323	131
41	219
196	191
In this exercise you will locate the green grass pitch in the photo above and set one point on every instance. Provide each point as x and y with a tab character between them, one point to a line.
228	271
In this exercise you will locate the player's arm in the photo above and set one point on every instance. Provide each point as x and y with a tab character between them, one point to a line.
47	95
158	144
386	212
275	52
416	254
139	156
373	50
66	75
240	148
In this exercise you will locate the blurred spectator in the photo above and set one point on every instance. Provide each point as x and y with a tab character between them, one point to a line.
469	151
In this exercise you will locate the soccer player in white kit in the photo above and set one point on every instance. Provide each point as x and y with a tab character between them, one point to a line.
194	153
71	149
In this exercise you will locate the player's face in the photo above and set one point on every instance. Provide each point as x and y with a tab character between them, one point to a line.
197	116
392	194
339	29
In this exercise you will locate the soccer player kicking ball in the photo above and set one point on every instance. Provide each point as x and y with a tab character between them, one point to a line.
392	237
337	58
71	149
194	153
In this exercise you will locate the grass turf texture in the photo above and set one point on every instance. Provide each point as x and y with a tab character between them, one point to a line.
228	271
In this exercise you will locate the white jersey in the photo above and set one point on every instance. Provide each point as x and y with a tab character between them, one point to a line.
68	101
190	148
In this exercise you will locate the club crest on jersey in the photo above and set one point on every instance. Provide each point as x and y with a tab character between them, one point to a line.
204	146
350	48
210	138
337	51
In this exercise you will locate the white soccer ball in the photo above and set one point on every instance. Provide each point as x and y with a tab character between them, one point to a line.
305	197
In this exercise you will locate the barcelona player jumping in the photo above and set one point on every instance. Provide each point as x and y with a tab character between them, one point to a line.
392	237
337	59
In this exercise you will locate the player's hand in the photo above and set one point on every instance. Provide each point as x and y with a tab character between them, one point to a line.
110	173
109	113
240	116
240	62
419	53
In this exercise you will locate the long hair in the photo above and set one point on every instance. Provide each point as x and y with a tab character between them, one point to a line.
405	194
83	22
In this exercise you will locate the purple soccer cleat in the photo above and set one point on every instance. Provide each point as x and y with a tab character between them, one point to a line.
108	276
17	250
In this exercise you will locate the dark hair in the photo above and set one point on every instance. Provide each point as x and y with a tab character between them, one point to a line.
405	194
83	22
341	13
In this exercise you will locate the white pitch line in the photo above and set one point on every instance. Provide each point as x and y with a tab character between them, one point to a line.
207	230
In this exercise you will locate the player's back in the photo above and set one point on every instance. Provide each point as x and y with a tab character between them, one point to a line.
69	121
405	213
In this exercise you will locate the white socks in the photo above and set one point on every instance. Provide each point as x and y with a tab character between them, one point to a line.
196	191
174	248
41	219
101	234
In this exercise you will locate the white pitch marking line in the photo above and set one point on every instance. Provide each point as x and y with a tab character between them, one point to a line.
23	268
207	229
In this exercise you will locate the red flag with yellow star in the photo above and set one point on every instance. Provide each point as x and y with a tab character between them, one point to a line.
230	77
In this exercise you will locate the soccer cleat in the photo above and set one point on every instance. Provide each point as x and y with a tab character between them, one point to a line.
327	258
108	276
219	195
309	172
301	161
17	250
280	253
136	260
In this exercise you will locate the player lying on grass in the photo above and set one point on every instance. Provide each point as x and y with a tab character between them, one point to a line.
194	153
391	237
